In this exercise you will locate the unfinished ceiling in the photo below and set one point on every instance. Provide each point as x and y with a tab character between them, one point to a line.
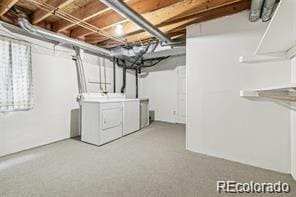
95	23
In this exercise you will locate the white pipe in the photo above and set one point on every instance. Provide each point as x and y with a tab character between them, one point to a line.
80	71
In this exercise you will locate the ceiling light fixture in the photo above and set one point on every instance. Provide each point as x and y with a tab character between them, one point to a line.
119	29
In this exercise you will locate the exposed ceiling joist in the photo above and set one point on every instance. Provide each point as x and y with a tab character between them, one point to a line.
109	20
92	9
178	25
91	20
137	37
165	14
40	14
224	6
5	5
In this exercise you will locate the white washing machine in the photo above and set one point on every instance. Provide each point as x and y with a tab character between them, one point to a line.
106	117
131	116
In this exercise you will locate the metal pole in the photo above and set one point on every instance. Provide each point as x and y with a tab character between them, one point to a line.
114	74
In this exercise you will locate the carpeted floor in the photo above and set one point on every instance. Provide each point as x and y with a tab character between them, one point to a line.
151	162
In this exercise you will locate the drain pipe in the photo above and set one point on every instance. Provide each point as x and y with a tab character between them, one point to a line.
122	90
123	9
137	83
26	25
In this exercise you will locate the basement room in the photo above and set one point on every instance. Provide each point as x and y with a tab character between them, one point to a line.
154	98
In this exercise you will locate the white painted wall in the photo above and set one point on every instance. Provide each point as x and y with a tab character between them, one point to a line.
219	121
160	86
55	91
92	73
293	123
55	113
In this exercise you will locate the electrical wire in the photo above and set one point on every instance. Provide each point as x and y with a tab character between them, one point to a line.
140	56
76	21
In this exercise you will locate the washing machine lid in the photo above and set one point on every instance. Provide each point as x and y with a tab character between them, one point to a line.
101	97
131	99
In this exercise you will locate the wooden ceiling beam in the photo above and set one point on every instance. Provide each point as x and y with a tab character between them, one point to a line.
136	38
5	5
181	25
109	20
176	36
178	32
165	29
90	10
165	14
196	13
39	14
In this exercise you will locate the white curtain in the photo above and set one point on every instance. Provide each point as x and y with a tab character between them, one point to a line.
15	75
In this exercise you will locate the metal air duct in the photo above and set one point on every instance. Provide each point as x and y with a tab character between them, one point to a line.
26	25
256	9
267	10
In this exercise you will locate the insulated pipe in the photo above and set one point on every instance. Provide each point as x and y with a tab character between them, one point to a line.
24	24
256	8
127	12
267	10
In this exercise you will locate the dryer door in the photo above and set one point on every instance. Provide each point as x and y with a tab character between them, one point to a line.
111	122
111	118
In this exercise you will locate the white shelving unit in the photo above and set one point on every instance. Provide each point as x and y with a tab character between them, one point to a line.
259	59
282	25
279	40
278	44
283	92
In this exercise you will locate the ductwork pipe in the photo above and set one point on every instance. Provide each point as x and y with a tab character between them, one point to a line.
127	12
82	87
267	10
256	9
24	24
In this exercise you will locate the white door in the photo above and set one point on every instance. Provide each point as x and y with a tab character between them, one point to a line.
181	102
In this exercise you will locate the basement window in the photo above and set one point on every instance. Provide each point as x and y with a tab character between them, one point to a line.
15	75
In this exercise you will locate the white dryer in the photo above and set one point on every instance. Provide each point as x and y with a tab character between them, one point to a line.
106	117
101	118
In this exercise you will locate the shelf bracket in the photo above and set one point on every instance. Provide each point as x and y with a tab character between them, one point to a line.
278	97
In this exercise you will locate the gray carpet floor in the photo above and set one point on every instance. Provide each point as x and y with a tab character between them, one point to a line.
151	162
